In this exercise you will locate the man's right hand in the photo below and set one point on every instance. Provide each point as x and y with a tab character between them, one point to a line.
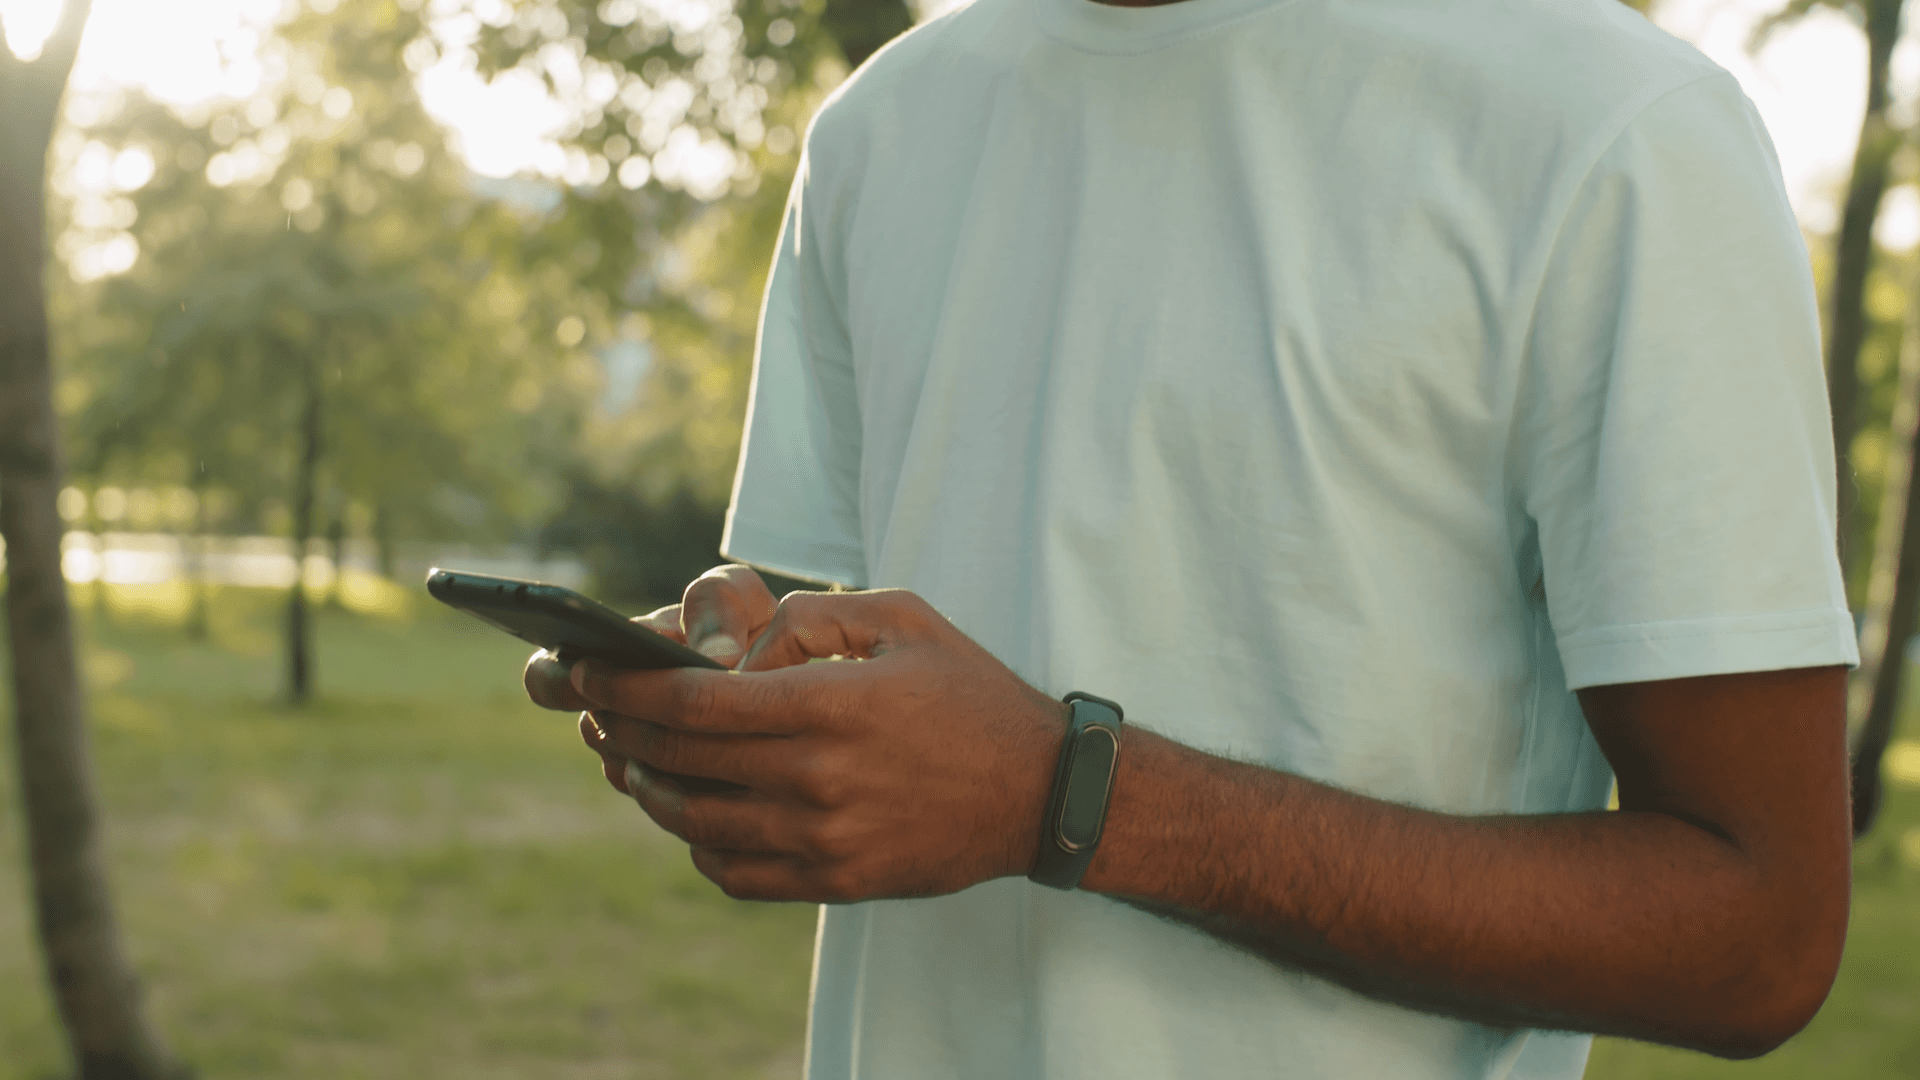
722	613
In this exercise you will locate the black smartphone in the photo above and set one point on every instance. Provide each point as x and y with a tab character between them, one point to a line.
570	626
563	622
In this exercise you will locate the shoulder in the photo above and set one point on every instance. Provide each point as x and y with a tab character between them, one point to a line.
1554	69
1578	69
907	69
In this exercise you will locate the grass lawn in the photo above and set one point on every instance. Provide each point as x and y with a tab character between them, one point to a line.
423	876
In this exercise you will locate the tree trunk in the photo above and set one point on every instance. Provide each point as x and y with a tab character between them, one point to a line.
97	543
1853	257
193	552
1893	589
383	545
306	476
93	982
1888	671
336	546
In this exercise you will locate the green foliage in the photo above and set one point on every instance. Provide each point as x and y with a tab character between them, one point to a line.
653	82
861	27
652	483
643	550
320	231
451	332
639	549
646	502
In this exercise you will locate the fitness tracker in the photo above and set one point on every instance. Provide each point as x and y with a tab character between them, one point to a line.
1082	785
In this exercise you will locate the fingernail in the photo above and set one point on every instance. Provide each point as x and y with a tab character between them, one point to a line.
581	675
718	645
635	779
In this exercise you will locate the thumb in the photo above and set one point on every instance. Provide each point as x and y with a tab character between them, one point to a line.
723	610
809	626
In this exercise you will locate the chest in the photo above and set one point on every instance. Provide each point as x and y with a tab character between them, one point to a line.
1183	269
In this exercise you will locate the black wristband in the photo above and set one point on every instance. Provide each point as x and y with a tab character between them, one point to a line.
1082	785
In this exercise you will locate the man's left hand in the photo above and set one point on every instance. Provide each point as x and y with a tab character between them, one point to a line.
920	768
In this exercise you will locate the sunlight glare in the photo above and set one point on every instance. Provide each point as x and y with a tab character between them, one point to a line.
115	255
1898	226
28	23
131	168
501	126
177	51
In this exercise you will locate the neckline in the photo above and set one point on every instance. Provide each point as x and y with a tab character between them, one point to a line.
1108	28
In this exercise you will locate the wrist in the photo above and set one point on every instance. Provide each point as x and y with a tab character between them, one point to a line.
1136	822
1077	800
1031	771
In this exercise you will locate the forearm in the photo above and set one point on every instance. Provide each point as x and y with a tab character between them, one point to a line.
1637	924
1709	912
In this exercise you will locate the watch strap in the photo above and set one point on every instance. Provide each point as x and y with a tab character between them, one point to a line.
1082	787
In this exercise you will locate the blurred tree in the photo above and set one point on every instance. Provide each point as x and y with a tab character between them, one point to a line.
1847	330
1847	321
323	313
736	83
860	27
1893	608
93	982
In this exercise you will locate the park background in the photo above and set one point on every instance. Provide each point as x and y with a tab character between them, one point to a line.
343	288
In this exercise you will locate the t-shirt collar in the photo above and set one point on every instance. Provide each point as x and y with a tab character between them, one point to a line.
1107	28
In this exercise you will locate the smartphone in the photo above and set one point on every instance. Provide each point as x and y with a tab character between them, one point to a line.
570	626
561	621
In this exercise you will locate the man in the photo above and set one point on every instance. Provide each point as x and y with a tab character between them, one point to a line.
1408	412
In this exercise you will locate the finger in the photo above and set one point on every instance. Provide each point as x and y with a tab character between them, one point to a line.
618	769
665	622
749	875
698	699
741	821
753	761
612	765
811	625
549	685
724	610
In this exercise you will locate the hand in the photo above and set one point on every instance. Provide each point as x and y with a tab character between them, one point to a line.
920	766
722	612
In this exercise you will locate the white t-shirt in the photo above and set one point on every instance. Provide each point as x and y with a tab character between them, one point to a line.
1333	383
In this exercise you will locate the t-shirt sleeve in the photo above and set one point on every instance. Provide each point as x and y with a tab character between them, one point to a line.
796	506
1672	434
